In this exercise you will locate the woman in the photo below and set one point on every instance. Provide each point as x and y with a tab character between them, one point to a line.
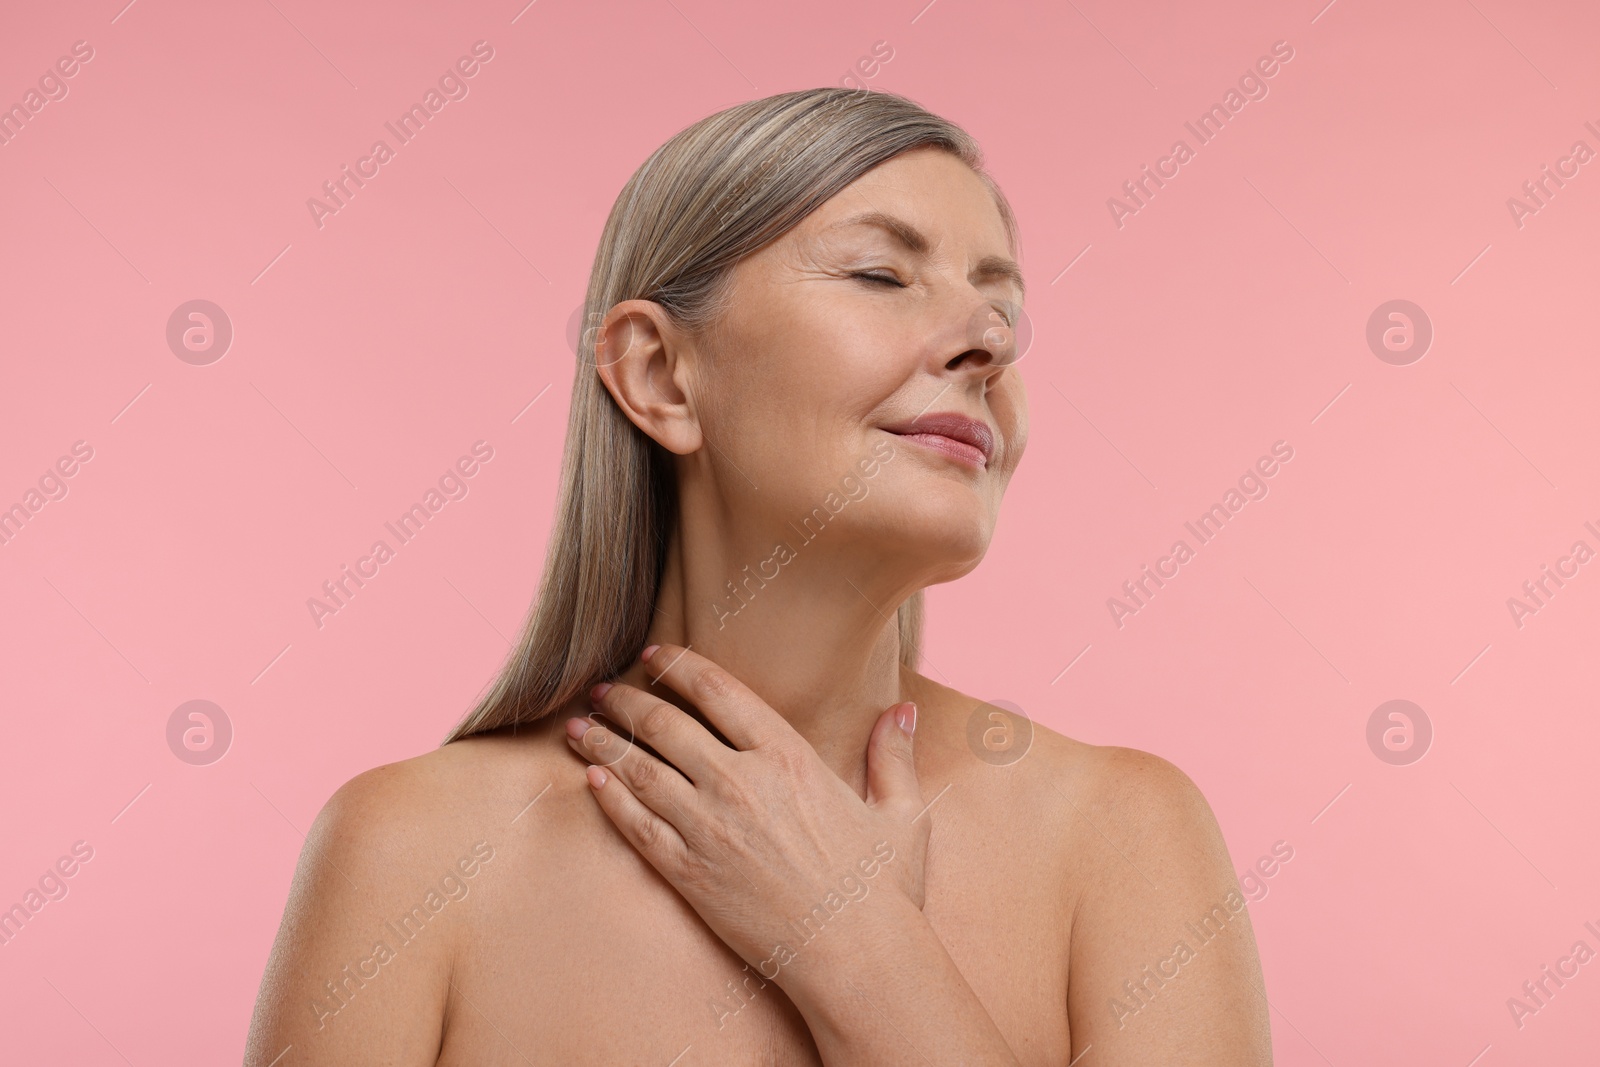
797	406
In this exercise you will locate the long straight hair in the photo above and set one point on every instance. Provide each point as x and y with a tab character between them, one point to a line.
718	191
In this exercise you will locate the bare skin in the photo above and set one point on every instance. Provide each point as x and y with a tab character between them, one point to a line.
1034	901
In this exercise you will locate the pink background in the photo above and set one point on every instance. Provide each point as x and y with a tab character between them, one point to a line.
1228	313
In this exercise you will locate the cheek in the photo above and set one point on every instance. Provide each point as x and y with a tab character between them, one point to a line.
1009	403
784	438
793	365
800	390
807	402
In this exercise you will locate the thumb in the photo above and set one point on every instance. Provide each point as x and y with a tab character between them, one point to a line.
891	763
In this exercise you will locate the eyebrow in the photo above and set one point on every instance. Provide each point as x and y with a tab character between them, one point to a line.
917	242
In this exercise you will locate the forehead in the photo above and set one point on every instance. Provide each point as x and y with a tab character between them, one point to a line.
932	190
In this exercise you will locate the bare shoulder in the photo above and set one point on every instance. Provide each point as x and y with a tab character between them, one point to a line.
1162	958
1132	816
381	901
1136	785
399	820
1150	796
468	779
1164	962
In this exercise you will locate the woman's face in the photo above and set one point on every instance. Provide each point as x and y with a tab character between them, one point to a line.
847	396
815	367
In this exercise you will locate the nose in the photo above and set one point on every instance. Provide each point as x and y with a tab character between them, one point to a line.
988	341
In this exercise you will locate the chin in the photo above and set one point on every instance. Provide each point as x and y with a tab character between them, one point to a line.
954	571
949	527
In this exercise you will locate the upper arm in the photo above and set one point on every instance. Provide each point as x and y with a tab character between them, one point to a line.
358	972
1163	965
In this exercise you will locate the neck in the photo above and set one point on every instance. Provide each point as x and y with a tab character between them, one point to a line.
810	628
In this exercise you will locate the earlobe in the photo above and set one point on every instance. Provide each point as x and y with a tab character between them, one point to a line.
640	357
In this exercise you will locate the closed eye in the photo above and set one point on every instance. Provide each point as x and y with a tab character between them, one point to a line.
882	279
1005	314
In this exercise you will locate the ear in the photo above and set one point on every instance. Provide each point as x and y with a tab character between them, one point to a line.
646	363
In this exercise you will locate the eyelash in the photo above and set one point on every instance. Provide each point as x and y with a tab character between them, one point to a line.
896	283
1010	325
878	278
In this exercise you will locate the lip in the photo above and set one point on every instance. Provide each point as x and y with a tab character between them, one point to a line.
959	436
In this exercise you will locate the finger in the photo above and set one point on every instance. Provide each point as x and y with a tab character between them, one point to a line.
652	836
679	738
891	759
658	786
743	717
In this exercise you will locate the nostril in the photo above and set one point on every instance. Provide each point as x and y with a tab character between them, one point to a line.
983	355
1003	333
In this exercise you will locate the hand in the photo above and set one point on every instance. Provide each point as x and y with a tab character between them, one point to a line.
762	839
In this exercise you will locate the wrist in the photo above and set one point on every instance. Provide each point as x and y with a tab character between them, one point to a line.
878	987
867	945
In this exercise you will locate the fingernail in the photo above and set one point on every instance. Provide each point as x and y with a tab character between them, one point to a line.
599	691
907	718
649	651
597	777
576	728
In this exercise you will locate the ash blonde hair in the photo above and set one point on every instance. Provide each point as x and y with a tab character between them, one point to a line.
717	191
